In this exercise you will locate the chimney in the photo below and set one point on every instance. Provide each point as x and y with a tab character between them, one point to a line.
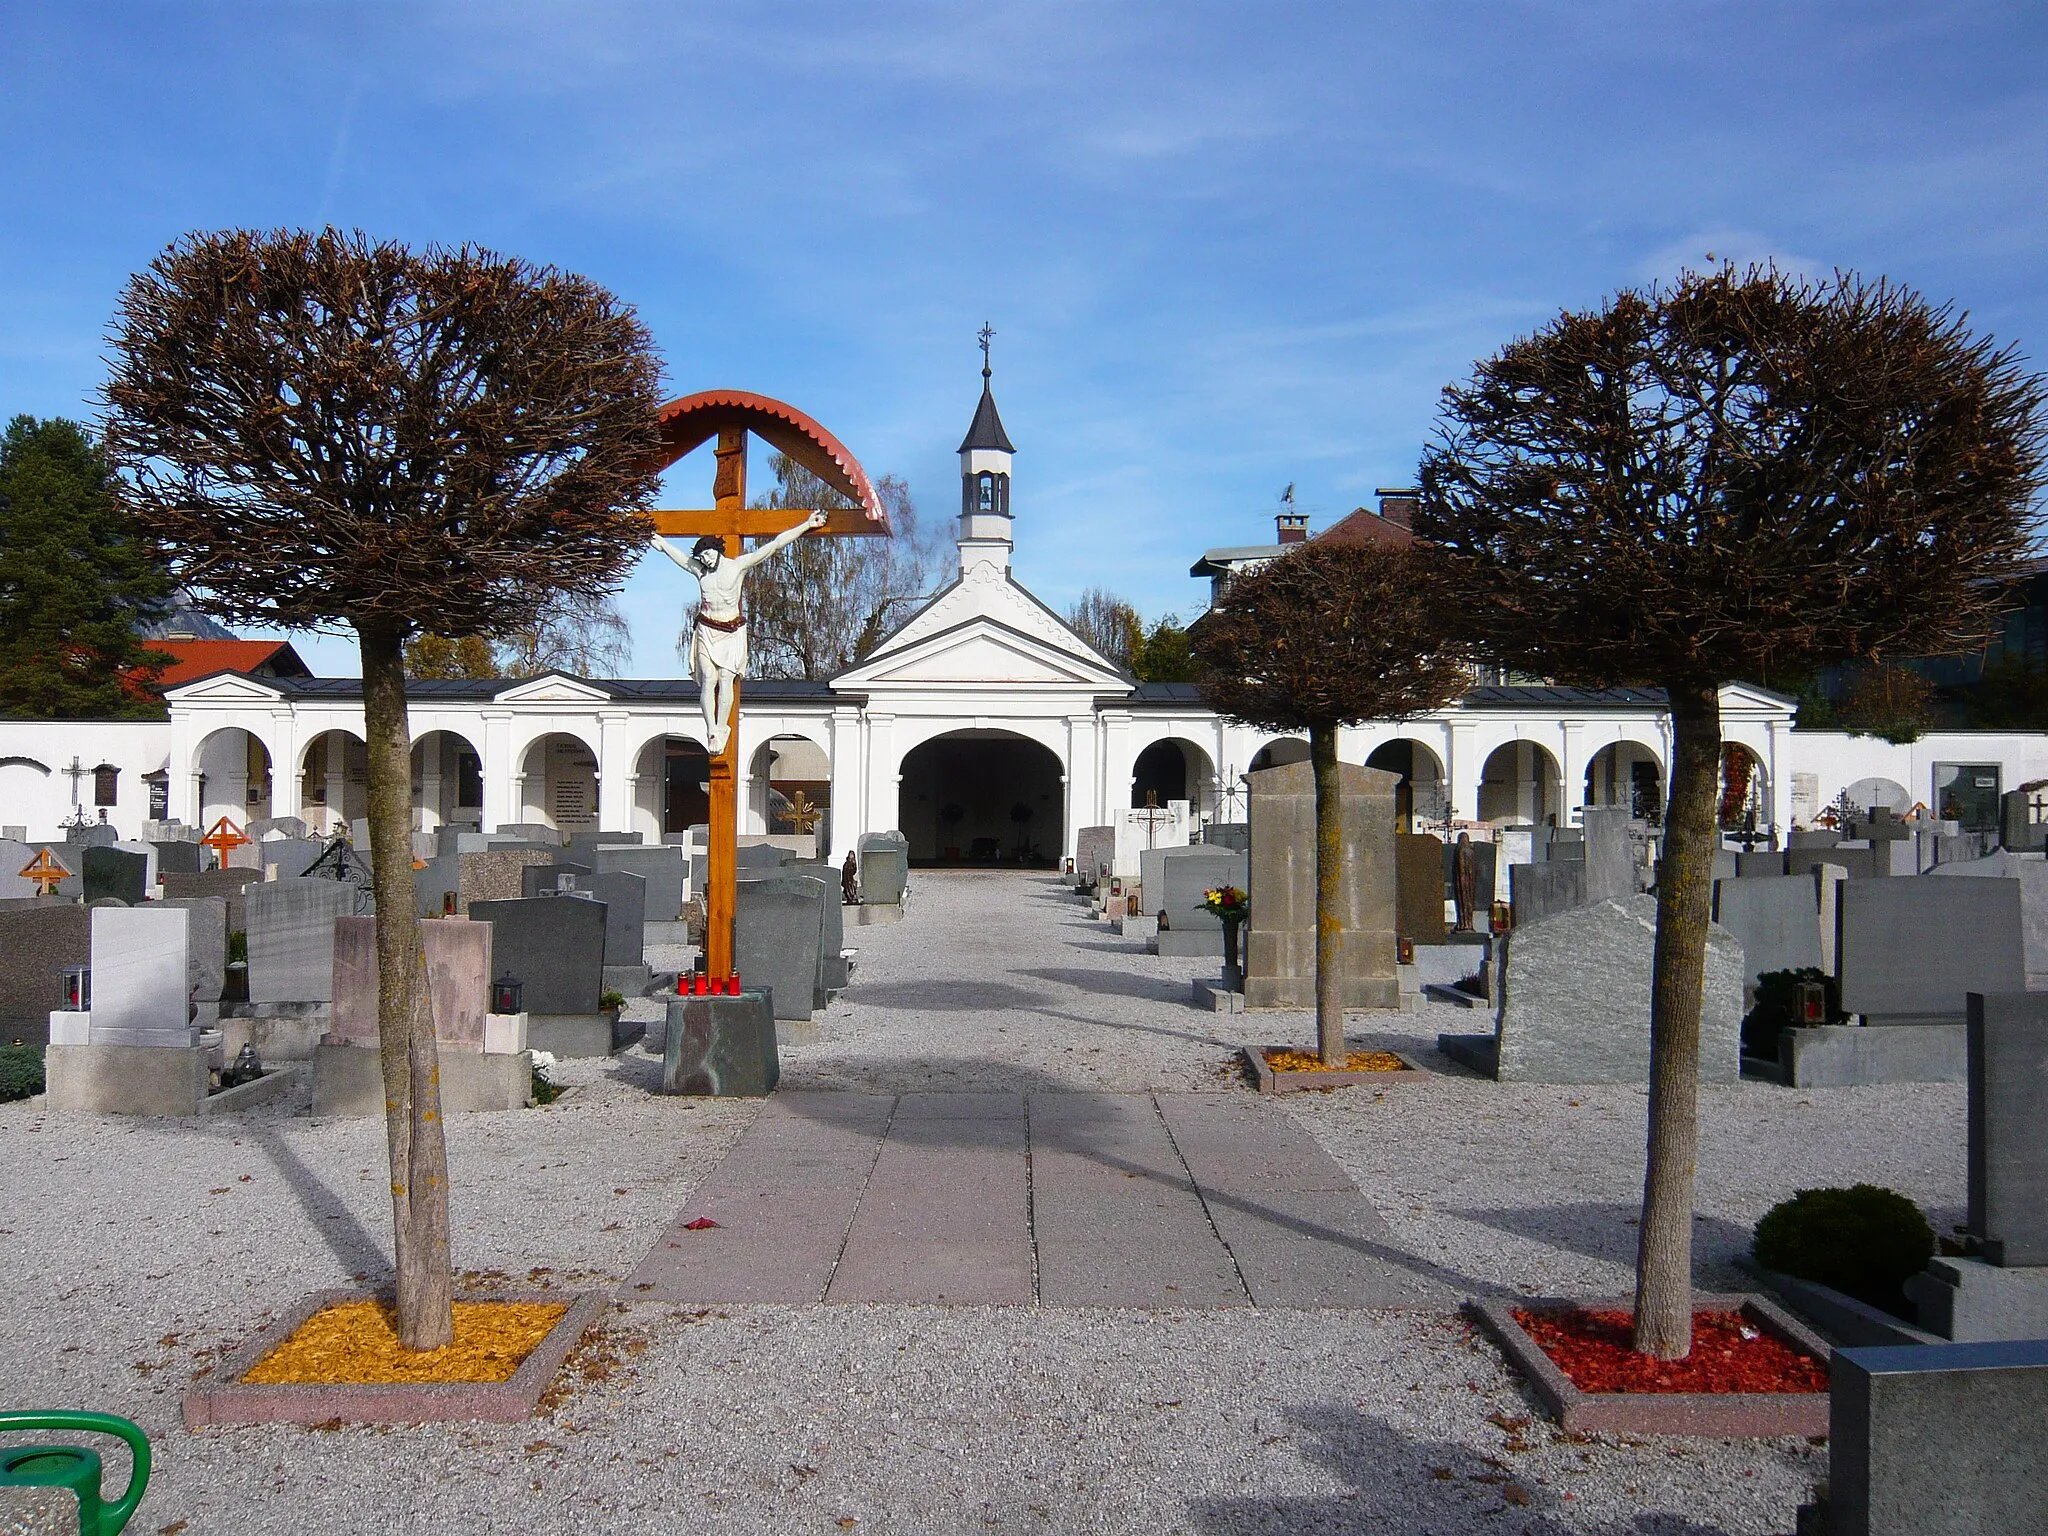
1397	506
1291	528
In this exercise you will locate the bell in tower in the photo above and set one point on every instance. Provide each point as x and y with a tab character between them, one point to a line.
985	455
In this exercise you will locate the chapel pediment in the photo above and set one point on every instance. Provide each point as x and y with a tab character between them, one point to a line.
552	688
982	653
223	688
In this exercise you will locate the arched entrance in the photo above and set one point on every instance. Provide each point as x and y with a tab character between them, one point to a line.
558	783
1420	794
1519	786
1175	769
233	768
1745	809
982	797
334	782
671	786
1626	773
1279	752
447	781
789	789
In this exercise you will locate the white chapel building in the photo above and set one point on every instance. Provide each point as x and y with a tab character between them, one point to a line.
984	728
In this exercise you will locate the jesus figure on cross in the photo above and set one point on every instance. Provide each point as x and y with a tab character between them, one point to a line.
718	635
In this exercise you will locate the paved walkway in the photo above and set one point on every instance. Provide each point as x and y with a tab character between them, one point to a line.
1005	1199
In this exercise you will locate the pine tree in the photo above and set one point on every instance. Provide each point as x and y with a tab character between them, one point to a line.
76	580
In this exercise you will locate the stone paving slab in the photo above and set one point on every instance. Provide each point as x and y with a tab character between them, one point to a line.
783	1198
1300	1231
947	1212
1118	1221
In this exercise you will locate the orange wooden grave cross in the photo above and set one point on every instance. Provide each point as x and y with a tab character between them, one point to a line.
221	837
728	416
45	872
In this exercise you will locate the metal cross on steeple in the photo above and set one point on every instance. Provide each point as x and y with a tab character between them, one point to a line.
987	334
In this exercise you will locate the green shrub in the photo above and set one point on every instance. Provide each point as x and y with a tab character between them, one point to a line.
1777	1007
1864	1242
21	1071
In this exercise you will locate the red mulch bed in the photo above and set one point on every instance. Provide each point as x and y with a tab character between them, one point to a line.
1729	1354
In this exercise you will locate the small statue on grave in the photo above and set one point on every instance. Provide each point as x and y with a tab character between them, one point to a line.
849	881
717	645
1465	880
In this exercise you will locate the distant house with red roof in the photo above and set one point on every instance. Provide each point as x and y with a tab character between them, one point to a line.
195	659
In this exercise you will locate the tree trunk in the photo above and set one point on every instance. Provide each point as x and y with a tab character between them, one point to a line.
405	1024
1663	1322
1322	755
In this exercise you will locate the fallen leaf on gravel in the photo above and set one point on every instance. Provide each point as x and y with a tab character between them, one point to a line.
701	1224
1515	1494
248	1178
1442	1474
221	1191
847	1522
172	1529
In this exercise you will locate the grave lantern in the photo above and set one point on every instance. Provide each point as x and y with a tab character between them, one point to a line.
507	993
448	903
1501	918
77	988
1810	1003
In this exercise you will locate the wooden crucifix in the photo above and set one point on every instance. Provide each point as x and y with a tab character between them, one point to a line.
729	416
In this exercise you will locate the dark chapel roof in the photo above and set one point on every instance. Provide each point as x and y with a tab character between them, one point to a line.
987	430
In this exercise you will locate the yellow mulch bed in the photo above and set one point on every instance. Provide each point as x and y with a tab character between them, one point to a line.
356	1342
1281	1059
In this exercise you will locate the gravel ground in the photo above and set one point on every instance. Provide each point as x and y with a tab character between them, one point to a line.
138	1250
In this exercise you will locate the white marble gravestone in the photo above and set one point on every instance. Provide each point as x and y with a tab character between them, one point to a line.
140	979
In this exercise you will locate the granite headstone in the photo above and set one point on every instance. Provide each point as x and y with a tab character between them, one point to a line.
554	945
140	976
117	873
1419	887
1280	936
291	939
1911	951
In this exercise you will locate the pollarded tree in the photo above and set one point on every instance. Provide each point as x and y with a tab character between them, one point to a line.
1741	475
322	430
1325	636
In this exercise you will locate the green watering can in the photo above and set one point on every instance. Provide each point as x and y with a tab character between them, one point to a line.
75	1467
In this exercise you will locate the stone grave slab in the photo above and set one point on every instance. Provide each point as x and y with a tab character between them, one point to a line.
1540	891
2008	1156
1176	880
1911	951
291	938
36	942
177	858
115	872
624	895
1575	998
552	944
1610	855
2032	875
15	855
1094	851
140	976
884	864
1280	935
496	874
206	944
1775	918
1752	866
550	879
1235	835
778	941
720	1047
665	868
1419	887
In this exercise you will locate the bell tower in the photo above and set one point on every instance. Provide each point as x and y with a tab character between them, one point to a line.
985	455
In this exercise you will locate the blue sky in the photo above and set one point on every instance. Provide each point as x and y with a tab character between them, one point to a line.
1224	247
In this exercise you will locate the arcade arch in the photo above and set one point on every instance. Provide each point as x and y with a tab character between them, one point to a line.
558	783
232	767
1519	785
671	786
334	781
1627	774
982	797
1174	768
447	781
1420	794
1279	751
789	788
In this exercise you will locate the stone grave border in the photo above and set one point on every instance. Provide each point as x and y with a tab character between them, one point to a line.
1272	1081
1724	1415
225	1398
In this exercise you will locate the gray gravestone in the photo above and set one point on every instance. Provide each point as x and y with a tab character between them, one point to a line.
832	951
15	855
723	1046
263	826
115	872
291	856
1236	835
140	976
1280	933
554	945
1094	851
98	835
549	879
1855	859
624	895
884	859
2008	1035
1485	864
36	944
436	883
1610	856
665	868
761	856
2032	875
1749	866
227	884
1177	880
778	941
1540	891
1575	998
1911	951
291	938
1941	1438
1419	887
177	858
2018	829
1775	918
206	944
